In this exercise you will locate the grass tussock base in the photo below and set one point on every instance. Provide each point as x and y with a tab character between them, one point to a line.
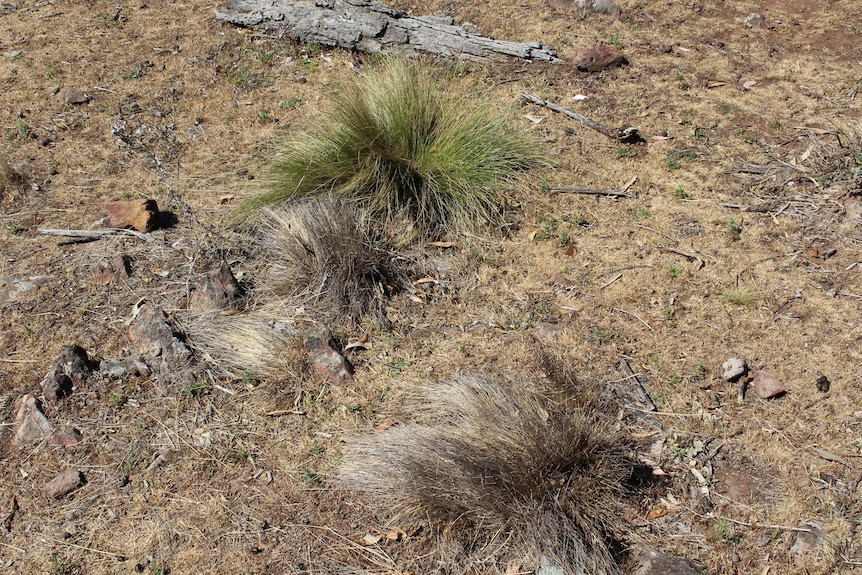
325	257
401	145
540	466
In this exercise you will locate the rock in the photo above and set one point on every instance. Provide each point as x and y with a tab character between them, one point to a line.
117	270
767	385
600	58
20	289
142	215
64	483
217	289
822	384
70	96
808	540
653	562
560	280
601	6
113	368
152	335
327	363
546	331
31	423
853	209
69	438
71	368
755	21
733	368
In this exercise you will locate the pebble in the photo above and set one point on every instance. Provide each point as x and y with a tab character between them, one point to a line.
733	368
64	483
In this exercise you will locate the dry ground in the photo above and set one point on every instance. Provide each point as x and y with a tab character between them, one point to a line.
754	183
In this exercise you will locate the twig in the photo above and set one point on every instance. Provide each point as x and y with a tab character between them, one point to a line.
692	257
619	192
644	395
284	412
634	315
612	280
753	524
95	234
627	135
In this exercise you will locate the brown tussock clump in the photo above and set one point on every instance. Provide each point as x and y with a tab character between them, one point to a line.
327	257
542	464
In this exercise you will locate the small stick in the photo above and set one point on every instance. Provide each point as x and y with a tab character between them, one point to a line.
645	398
626	135
692	257
634	315
95	234
619	192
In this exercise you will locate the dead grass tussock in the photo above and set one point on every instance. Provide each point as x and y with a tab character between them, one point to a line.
326	257
541	464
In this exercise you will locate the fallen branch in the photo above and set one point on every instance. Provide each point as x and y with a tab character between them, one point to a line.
95	234
628	135
691	257
618	193
372	27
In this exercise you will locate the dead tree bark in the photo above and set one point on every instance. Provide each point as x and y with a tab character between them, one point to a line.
371	27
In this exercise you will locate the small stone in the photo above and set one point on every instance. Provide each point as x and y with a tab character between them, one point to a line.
151	334
560	280
113	368
71	96
56	386
767	385
21	289
327	363
823	384
31	423
853	209
217	289
755	21
808	540
142	215
600	58
71	368
653	562
64	483
546	331
117	270
69	438
733	368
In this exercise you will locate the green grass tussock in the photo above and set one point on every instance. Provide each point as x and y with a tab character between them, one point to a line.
401	145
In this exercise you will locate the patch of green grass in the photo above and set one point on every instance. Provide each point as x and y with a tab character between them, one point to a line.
680	193
672	164
311	477
673	272
614	41
625	152
194	388
291	104
682	82
401	145
734	229
643	213
737	296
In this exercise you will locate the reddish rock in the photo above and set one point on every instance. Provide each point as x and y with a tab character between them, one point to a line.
600	58
327	363
64	483
21	289
31	424
767	385
217	289
560	280
69	438
71	95
142	215
117	270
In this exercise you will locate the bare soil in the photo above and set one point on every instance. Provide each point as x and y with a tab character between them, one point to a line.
738	241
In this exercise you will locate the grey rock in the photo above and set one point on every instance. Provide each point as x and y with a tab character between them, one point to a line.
654	562
808	540
217	289
327	363
31	424
733	368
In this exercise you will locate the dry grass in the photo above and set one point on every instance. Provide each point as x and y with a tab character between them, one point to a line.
246	491
541	467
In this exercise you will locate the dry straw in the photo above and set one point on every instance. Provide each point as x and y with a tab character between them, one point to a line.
543	465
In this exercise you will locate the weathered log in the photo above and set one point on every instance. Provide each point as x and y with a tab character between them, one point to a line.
372	27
